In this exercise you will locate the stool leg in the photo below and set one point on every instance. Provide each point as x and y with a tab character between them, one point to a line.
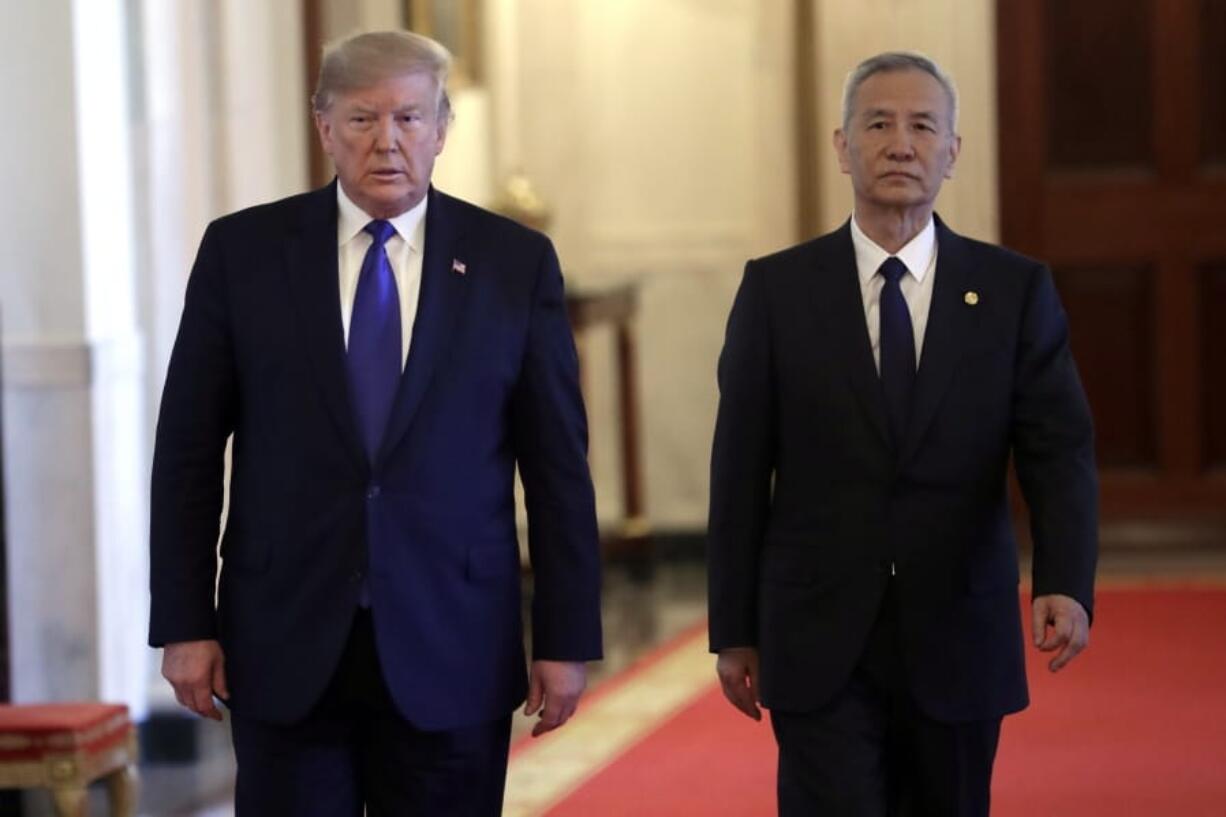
71	802
122	787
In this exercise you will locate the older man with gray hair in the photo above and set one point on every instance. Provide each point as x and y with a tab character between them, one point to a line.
874	384
384	358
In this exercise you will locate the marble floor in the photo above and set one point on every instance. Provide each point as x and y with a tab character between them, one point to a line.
643	607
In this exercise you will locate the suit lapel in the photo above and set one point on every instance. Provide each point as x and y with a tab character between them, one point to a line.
314	287
945	337
442	294
839	296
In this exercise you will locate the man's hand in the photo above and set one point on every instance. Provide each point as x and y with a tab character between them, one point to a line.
196	669
553	691
1060	621
737	668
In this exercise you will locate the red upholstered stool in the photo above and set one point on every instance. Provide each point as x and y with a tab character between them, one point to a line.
65	747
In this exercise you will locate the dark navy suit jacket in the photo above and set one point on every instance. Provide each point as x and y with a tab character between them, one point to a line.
812	505
490	383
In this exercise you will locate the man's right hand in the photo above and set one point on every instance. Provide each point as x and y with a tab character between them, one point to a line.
737	668
196	669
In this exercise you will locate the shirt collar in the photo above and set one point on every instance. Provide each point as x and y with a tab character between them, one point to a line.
916	254
409	225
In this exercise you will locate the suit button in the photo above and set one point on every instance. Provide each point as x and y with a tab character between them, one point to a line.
355	576
373	492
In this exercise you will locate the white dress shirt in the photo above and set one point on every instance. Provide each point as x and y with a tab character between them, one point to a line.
920	257
404	251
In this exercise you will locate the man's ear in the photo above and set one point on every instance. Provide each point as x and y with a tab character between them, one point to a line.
323	126
955	147
440	138
840	148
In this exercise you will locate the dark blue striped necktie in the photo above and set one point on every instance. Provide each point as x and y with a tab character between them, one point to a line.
897	347
373	358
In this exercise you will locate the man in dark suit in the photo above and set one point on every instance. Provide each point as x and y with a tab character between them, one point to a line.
863	570
384	356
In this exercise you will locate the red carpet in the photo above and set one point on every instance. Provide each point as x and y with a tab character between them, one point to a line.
1136	727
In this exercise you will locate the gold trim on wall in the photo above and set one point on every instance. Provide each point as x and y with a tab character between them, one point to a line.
811	144
457	25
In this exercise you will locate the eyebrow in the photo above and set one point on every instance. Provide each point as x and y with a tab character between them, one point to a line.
873	113
368	109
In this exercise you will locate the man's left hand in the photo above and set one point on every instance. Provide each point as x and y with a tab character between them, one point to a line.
1060	621
553	691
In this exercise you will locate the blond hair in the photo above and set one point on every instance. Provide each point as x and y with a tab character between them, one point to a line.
363	60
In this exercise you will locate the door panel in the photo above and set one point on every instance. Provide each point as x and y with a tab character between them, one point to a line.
1113	170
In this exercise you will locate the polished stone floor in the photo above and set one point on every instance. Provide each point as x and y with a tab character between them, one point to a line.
643	606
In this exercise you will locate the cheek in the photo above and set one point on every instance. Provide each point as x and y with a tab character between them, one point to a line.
422	152
342	147
326	141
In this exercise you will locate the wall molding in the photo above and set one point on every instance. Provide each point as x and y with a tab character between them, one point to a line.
60	364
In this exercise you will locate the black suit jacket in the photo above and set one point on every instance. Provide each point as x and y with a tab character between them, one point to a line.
490	384
812	506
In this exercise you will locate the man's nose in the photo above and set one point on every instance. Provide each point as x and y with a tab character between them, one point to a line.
385	134
900	147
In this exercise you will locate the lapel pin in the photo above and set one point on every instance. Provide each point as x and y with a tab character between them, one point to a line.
971	298
458	266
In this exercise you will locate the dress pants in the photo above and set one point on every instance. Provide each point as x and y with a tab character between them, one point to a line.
870	752
355	750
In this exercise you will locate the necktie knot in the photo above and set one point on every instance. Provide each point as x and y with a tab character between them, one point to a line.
893	269
380	231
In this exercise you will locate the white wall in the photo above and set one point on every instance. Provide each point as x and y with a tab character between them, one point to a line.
73	401
344	17
262	102
131	125
660	132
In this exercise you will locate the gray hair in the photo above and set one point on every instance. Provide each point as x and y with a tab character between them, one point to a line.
362	60
897	61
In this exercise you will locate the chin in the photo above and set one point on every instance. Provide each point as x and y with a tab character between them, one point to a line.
389	205
898	197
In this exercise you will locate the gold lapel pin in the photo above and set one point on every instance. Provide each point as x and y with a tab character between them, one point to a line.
971	298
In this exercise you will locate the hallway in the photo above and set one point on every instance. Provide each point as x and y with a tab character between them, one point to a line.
656	666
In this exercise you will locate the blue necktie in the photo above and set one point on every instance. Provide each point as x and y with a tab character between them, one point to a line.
897	348
374	356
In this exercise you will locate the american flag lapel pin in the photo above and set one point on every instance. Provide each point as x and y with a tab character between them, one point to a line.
458	266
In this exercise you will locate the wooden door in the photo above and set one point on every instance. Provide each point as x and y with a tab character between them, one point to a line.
1113	170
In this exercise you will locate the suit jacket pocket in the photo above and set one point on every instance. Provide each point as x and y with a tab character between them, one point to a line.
489	560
